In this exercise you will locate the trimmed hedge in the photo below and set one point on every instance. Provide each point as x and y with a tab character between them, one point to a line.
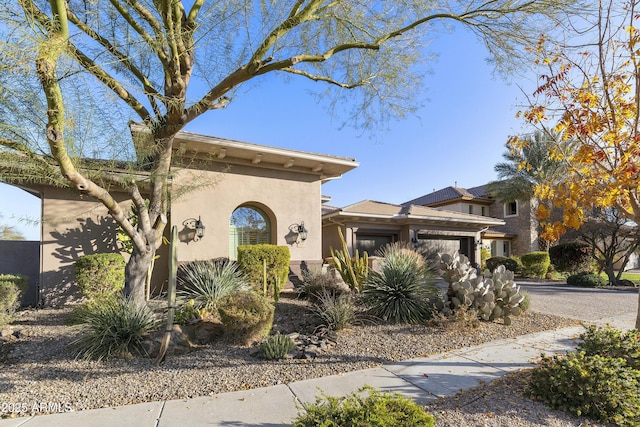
535	264
98	275
571	257
586	279
11	288
246	316
251	261
496	261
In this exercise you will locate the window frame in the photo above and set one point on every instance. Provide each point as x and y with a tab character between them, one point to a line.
507	210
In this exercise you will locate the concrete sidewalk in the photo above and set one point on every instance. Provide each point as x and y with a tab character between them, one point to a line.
420	379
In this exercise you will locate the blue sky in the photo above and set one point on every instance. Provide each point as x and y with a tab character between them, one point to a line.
458	136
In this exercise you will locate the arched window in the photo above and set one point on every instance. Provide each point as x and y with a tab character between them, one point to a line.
248	226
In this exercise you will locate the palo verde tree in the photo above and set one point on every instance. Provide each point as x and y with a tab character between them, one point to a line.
144	57
590	94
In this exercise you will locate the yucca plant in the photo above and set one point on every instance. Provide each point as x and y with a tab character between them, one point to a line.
403	290
114	329
207	282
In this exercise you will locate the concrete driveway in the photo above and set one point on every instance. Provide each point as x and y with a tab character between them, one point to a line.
591	305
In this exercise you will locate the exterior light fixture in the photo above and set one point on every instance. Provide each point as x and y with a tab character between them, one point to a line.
302	231
197	226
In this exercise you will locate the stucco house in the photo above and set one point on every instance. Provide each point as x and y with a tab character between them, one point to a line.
241	193
517	235
369	225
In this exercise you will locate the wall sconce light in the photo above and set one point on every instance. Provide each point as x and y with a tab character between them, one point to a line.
197	226
301	230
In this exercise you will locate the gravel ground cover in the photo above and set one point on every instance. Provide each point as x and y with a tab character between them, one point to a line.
39	366
501	403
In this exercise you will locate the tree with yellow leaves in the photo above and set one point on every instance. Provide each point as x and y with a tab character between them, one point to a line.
590	94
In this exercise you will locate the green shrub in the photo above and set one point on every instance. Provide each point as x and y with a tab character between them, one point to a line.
571	257
355	410
251	260
11	288
207	282
336	311
485	254
277	347
525	304
80	311
316	282
535	264
114	330
99	274
609	342
602	388
586	279
187	313
403	291
246	316
496	261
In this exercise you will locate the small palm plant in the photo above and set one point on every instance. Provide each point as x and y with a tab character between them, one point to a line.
403	290
207	282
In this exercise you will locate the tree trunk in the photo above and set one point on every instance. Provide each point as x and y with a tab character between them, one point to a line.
611	274
136	273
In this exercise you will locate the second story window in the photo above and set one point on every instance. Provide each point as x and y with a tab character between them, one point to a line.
471	209
511	209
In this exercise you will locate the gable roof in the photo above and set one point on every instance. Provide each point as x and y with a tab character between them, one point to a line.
449	195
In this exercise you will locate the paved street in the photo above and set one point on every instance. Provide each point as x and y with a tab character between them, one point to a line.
586	304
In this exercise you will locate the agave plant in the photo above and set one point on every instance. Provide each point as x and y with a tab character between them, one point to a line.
402	291
207	282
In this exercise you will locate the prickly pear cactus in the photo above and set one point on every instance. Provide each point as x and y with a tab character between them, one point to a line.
507	295
493	295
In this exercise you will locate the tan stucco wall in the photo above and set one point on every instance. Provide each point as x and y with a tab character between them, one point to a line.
288	197
71	227
74	226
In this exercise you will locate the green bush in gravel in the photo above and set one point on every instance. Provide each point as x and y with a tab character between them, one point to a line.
246	316
586	279
403	290
114	329
100	274
207	282
11	288
601	388
276	347
609	342
336	311
316	282
525	304
376	409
